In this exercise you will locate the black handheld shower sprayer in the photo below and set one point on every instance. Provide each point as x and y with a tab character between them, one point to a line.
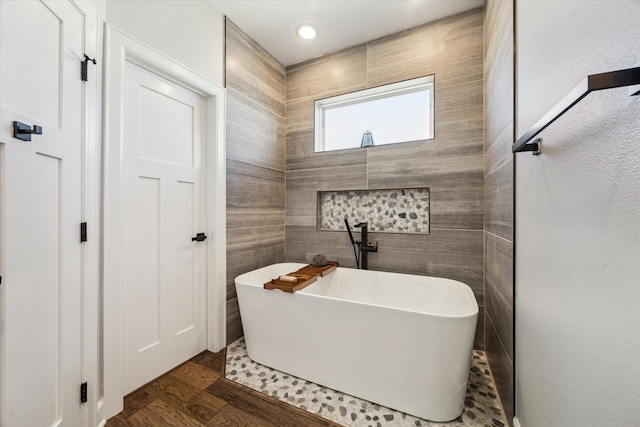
361	248
354	243
346	222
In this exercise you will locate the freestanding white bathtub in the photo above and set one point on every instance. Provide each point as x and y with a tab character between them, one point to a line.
399	340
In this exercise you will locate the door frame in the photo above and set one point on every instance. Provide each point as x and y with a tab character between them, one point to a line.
93	412
120	48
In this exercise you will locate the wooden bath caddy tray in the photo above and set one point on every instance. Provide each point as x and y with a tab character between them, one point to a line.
304	277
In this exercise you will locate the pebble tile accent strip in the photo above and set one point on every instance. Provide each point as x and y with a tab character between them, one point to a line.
482	407
391	211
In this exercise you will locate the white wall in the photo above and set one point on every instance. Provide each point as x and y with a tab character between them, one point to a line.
190	32
578	220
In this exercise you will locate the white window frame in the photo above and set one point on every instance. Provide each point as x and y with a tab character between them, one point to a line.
379	92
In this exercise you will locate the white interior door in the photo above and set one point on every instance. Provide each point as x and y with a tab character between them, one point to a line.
164	270
41	44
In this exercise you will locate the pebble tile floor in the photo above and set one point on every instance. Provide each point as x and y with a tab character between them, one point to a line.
482	407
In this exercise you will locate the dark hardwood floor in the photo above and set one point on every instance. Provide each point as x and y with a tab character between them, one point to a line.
197	394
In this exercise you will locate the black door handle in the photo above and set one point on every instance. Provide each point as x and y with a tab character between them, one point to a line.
24	132
199	237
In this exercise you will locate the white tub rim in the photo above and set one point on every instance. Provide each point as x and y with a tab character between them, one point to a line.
475	311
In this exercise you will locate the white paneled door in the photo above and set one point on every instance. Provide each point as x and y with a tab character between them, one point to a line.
41	47
164	274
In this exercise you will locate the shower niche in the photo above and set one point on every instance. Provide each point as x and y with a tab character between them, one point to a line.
396	210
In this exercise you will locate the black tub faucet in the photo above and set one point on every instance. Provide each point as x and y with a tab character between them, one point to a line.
364	246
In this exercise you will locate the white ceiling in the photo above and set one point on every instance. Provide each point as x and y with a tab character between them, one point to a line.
340	23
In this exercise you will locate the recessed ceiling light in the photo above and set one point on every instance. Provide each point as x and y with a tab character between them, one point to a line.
307	32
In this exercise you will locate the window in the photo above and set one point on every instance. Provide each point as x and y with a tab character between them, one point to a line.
399	112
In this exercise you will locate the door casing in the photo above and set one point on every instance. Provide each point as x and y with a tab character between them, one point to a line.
120	48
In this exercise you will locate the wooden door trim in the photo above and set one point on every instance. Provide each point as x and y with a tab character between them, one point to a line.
120	48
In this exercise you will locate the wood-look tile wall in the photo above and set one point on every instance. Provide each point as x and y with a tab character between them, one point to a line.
498	190
255	84
451	165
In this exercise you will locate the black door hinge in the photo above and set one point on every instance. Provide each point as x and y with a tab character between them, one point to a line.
83	69
83	392
83	232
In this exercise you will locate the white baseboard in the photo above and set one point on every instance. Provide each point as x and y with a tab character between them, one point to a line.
516	423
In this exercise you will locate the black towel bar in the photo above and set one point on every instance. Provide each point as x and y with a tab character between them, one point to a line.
593	82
